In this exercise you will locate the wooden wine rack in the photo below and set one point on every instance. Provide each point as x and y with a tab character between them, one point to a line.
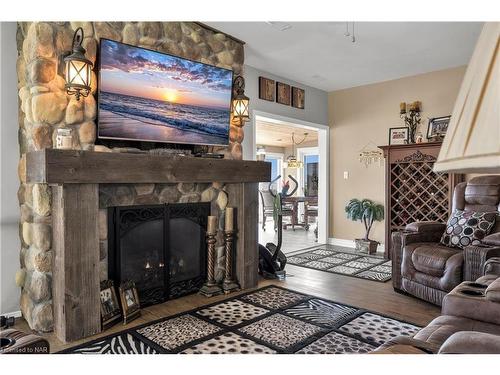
413	191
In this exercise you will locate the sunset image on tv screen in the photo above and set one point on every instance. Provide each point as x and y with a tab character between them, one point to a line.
150	96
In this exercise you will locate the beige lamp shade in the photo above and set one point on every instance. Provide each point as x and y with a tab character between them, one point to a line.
472	142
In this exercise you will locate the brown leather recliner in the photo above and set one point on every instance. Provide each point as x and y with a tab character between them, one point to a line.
469	323
428	270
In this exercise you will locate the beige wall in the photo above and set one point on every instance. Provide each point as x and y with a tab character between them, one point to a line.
363	114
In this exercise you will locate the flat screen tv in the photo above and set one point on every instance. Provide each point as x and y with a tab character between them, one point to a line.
146	95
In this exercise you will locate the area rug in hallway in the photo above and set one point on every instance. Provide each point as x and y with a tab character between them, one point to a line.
332	259
268	320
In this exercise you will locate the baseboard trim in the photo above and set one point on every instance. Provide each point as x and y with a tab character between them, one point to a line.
350	243
341	242
15	314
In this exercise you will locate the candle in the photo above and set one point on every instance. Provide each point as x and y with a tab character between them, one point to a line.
229	219
402	107
212	224
64	139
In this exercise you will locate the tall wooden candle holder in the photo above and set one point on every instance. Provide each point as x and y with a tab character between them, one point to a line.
229	284
211	288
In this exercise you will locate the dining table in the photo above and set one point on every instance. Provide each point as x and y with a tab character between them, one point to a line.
294	203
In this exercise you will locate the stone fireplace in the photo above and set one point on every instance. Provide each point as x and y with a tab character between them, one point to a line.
86	183
161	248
44	107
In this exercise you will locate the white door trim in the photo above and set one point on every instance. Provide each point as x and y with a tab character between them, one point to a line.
324	161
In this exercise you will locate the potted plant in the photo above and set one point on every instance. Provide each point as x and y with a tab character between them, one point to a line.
367	212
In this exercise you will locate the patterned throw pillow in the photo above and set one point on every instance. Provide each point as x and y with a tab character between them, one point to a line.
466	228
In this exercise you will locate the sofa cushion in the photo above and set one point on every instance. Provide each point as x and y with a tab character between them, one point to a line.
438	331
487	279
466	228
430	259
493	292
468	342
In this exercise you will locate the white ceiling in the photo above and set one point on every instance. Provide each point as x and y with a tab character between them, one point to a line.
318	54
280	135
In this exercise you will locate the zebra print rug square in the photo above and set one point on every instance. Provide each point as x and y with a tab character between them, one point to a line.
339	260
291	322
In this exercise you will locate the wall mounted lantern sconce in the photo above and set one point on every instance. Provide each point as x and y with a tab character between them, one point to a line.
240	102
410	113
78	68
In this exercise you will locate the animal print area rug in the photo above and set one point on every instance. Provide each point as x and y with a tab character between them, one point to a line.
334	259
268	320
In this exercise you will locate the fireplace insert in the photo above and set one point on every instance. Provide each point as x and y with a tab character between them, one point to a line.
161	248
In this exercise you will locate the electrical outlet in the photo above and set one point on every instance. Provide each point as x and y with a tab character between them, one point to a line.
346	175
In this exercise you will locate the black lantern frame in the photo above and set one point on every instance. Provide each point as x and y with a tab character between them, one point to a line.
78	68
240	102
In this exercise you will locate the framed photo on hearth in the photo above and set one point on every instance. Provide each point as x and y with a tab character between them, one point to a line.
130	301
266	89
283	93
399	136
298	98
110	307
437	127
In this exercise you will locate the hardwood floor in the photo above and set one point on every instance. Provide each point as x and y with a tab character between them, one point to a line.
375	296
292	240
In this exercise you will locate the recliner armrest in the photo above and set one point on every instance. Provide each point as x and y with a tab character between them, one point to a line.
492	266
426	226
469	342
492	239
473	307
413	237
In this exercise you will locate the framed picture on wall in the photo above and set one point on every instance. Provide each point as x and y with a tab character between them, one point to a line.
399	136
437	127
266	89
298	98
283	93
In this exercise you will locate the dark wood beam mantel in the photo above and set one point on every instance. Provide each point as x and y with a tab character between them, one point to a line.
75	177
53	166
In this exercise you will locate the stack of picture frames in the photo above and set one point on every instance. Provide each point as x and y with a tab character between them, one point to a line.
282	93
113	310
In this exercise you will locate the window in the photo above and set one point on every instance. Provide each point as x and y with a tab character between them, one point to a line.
308	174
276	161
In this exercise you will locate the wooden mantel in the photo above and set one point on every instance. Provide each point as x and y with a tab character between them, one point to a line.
87	167
75	177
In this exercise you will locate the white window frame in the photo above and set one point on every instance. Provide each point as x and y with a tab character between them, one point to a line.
301	154
281	158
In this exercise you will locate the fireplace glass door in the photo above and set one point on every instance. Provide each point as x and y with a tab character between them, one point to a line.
161	248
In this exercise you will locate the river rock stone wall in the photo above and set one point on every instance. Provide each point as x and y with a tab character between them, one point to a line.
44	107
